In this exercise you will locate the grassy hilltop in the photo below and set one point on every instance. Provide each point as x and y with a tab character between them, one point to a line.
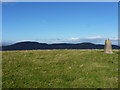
60	69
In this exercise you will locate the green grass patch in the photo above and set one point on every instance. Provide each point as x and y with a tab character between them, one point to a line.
59	69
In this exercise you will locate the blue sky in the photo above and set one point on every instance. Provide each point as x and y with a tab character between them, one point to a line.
61	22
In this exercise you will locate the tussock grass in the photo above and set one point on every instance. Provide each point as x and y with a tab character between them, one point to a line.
60	69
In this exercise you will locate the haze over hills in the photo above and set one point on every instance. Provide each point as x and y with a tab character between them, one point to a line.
27	45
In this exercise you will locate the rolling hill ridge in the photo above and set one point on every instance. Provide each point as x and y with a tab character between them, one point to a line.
35	46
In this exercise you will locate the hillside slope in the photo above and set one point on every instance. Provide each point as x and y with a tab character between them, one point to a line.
36	45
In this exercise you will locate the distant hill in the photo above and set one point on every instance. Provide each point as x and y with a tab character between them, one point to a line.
35	46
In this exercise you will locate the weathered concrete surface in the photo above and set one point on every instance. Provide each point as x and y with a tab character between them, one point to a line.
108	47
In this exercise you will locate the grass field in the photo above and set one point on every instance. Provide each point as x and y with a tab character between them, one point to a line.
59	69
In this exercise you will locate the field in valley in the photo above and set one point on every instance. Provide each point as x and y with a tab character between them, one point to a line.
59	69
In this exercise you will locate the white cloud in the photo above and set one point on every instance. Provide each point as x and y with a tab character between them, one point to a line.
74	39
114	39
95	37
28	40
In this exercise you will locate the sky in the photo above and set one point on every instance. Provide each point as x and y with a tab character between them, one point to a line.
59	22
60	0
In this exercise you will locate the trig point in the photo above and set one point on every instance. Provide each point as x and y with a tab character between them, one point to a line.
108	47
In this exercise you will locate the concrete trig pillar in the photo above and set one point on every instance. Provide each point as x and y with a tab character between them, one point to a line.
108	46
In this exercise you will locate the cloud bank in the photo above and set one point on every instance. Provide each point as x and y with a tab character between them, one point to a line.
94	39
